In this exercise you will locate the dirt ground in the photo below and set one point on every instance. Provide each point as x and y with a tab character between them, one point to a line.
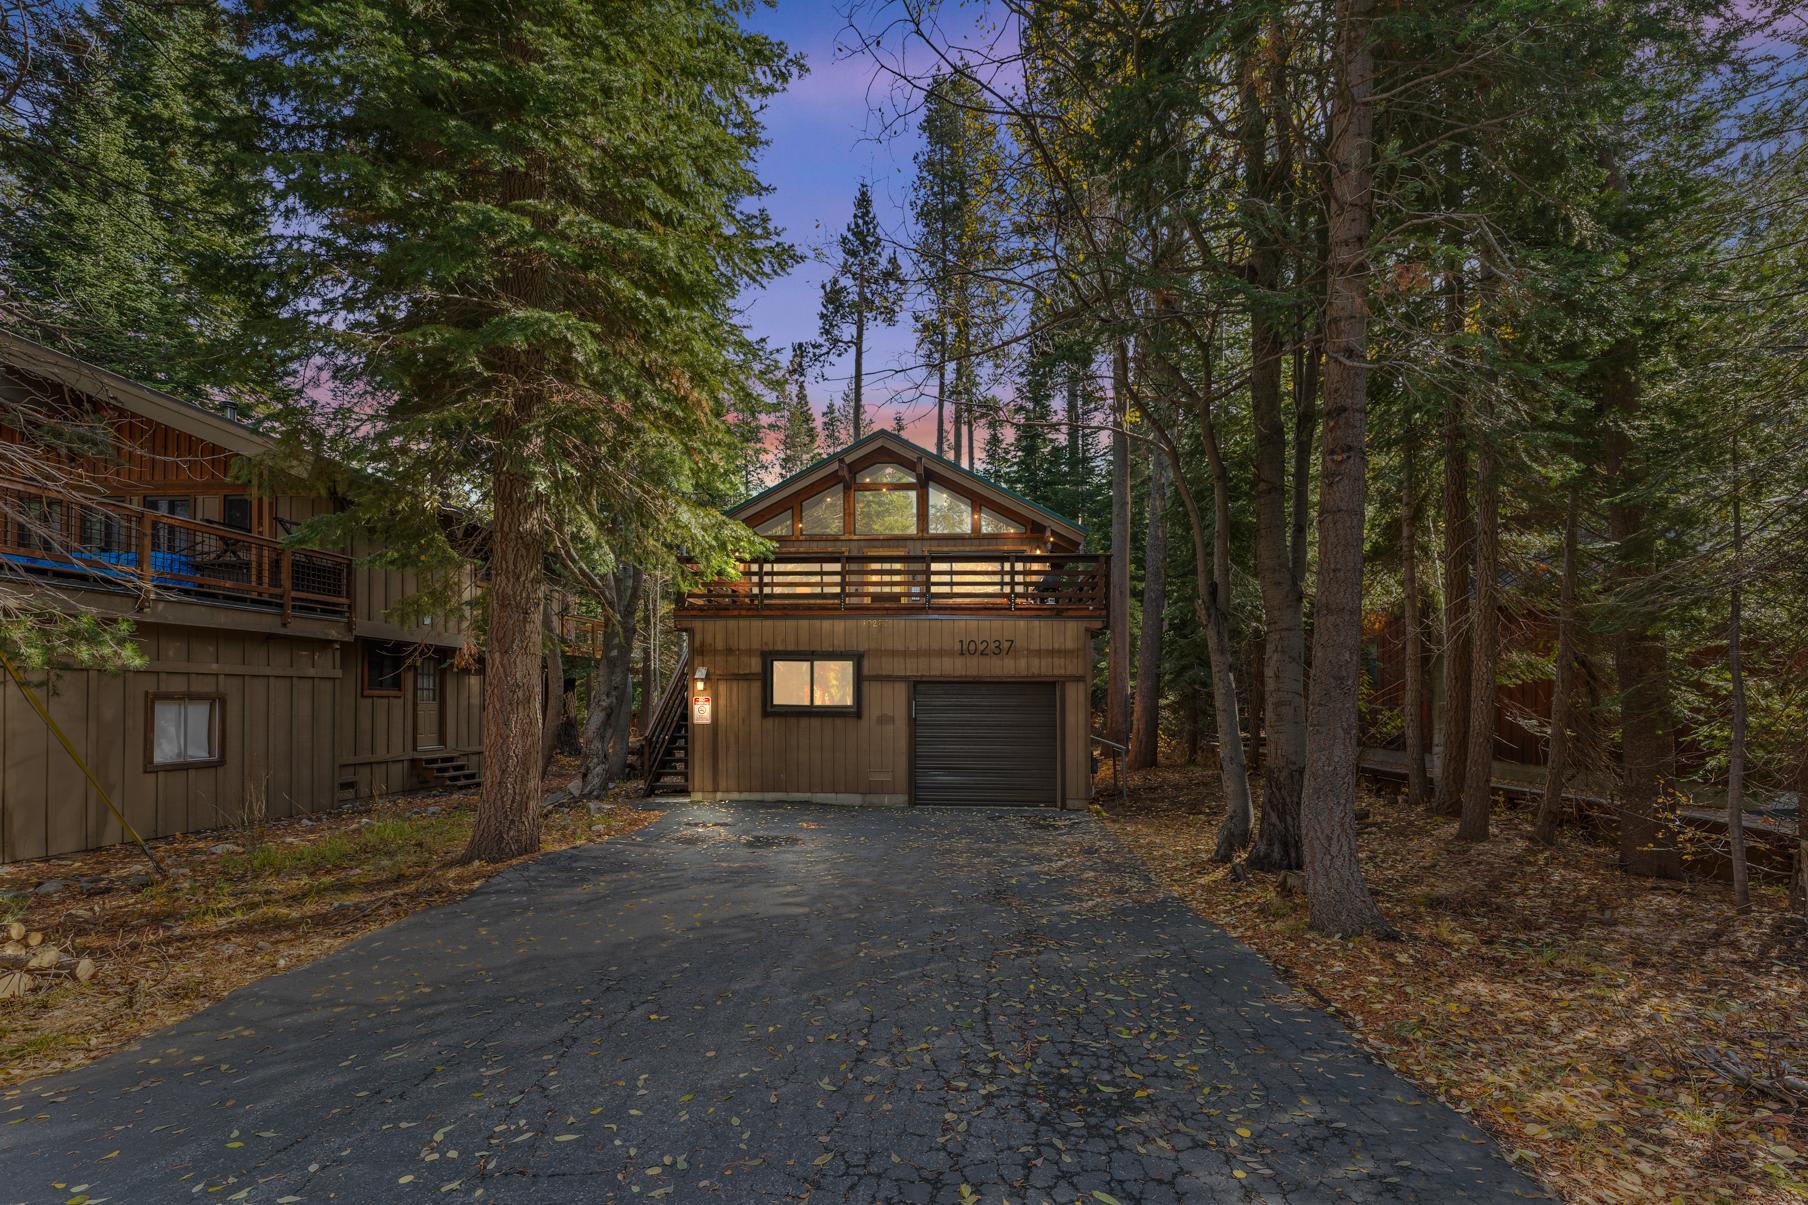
1576	1012
239	904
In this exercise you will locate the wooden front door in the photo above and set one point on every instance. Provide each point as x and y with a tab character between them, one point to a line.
429	706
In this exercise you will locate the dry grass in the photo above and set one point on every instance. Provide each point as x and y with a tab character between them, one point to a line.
1567	1006
296	892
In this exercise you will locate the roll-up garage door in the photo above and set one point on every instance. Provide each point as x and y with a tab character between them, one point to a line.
985	743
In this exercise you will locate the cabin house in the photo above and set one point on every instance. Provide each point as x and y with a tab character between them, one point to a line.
275	683
918	636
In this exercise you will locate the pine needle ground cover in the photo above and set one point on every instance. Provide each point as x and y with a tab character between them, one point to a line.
1574	1011
273	899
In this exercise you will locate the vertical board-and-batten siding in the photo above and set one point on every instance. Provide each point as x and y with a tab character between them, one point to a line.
866	758
278	739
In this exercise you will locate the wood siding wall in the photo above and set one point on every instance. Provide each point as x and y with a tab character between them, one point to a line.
279	737
377	752
744	753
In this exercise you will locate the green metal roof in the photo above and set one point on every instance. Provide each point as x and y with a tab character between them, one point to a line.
869	437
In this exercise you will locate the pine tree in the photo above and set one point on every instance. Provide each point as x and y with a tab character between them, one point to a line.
136	233
959	208
993	450
798	445
867	287
834	427
474	183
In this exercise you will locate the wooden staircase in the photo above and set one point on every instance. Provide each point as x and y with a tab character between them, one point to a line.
665	756
448	772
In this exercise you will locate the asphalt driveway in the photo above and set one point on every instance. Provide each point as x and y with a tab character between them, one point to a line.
765	1004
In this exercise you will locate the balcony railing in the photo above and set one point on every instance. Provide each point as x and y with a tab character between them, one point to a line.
581	635
1031	583
111	543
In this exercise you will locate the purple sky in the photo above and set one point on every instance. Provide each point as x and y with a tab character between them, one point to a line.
824	140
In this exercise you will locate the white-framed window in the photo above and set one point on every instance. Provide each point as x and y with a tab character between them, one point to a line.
183	730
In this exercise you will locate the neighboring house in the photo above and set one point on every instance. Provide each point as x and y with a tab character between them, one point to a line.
275	683
919	635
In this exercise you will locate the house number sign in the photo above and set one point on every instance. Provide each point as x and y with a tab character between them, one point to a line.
984	648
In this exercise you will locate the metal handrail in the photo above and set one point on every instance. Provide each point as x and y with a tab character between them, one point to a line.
1119	754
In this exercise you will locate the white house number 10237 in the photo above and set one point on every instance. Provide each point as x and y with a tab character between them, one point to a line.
984	648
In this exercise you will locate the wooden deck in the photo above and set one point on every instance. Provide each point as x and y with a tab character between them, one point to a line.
1024	584
99	542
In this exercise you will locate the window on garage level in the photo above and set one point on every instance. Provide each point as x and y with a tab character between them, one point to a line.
184	731
813	683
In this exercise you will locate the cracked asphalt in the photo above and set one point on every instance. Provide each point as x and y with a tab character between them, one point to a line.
766	1004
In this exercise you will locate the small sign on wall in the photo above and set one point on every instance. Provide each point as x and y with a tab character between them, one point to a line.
700	709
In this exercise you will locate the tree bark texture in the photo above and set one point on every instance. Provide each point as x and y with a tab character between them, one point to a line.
1735	764
1646	844
1412	704
608	723
1459	538
1338	900
1283	734
1563	691
1145	726
508	810
1484	647
553	685
1117	676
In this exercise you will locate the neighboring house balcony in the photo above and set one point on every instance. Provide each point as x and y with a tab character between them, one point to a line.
107	544
1057	585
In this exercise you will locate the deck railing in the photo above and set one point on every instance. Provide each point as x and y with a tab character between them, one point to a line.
111	543
1030	582
582	635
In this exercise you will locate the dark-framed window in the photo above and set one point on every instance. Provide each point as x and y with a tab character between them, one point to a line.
235	512
183	731
811	683
382	673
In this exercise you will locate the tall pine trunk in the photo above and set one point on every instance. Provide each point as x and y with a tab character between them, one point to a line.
1735	764
1277	844
1484	646
1459	537
508	810
554	688
1556	774
607	725
1338	900
1117	675
1145	726
1412	705
1646	844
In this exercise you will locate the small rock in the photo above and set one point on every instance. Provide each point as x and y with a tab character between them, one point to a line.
263	945
306	823
365	822
96	886
50	887
342	906
226	847
431	811
228	948
138	880
182	872
598	829
597	808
